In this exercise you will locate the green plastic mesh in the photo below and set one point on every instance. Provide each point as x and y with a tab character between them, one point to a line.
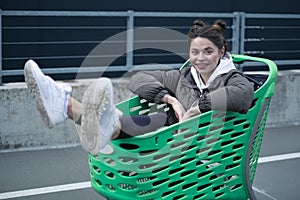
201	158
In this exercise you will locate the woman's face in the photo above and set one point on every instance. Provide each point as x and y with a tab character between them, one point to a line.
204	55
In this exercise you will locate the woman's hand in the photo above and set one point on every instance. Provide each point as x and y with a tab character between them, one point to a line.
193	111
176	105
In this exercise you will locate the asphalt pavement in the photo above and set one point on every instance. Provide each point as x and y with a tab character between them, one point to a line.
56	174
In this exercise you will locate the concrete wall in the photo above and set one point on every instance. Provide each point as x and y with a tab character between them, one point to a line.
21	126
285	104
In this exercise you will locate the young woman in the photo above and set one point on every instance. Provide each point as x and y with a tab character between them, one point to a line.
211	82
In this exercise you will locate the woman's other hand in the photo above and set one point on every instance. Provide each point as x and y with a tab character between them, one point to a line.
176	105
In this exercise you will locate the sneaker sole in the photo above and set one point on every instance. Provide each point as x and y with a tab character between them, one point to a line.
94	102
33	87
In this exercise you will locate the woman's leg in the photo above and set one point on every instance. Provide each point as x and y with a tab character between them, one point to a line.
129	125
54	102
97	115
75	110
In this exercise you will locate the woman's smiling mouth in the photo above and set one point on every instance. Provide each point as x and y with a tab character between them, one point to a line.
201	65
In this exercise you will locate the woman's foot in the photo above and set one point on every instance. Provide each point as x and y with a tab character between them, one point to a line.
100	119
51	98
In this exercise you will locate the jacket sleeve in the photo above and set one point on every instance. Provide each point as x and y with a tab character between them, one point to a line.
236	96
153	85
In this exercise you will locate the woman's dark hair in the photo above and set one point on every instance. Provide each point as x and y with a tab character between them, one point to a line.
214	33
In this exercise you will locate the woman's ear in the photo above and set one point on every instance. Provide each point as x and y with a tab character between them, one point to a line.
222	52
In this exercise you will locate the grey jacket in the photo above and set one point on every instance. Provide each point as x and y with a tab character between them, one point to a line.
229	90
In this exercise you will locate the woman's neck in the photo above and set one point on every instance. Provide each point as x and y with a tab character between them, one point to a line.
204	78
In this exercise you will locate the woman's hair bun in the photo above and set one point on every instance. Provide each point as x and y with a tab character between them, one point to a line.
198	23
220	25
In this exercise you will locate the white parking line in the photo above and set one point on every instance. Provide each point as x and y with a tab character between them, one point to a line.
45	190
261	191
278	157
87	184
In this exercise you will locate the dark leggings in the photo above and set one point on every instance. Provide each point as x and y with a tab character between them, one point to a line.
139	124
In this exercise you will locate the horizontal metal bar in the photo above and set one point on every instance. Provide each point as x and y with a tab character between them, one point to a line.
278	62
64	13
85	27
254	27
183	14
156	66
282	51
272	16
90	57
61	57
253	39
271	39
63	42
281	39
270	51
58	70
114	14
69	70
272	27
90	42
94	42
60	27
160	54
287	62
254	52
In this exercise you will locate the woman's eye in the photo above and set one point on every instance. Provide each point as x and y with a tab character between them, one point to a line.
195	53
209	52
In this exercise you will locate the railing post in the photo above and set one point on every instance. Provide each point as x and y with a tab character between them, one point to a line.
0	47
242	36
129	40
236	33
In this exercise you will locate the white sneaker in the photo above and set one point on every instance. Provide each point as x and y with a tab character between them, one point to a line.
51	98
100	119
107	149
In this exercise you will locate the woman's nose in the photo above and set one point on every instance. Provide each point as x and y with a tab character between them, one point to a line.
201	56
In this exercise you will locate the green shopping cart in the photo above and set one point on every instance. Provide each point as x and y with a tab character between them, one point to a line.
210	156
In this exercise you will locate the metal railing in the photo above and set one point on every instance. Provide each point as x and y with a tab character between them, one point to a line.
274	36
61	40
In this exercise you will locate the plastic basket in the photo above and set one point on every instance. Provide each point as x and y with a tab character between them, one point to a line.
210	156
